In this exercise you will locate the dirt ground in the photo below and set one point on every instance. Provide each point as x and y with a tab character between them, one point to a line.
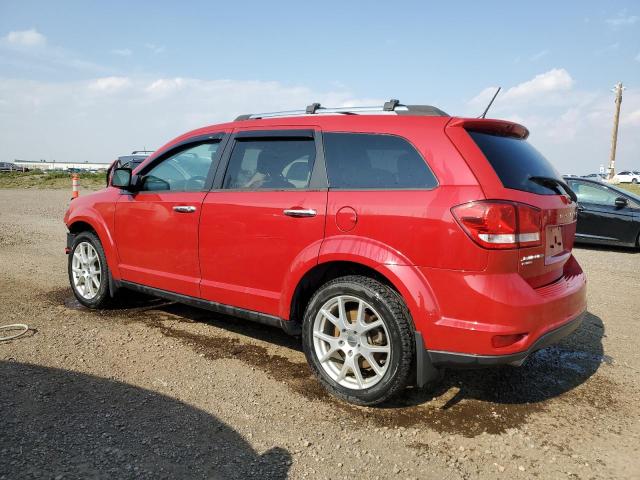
159	390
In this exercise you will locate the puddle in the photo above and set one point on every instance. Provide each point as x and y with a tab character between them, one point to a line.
465	402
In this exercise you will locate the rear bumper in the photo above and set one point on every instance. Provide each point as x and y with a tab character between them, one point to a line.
428	361
453	359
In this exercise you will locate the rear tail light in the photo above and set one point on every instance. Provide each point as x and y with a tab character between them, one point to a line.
500	224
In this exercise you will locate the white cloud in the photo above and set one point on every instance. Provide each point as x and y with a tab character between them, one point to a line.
608	49
632	119
109	84
165	85
571	127
99	119
555	80
622	20
123	52
26	38
537	56
154	48
28	51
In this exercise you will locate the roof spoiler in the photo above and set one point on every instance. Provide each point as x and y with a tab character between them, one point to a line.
496	127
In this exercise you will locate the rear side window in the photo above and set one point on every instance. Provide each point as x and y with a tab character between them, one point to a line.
515	161
370	161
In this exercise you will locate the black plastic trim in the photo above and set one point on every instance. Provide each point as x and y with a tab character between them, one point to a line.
70	238
290	327
294	133
425	371
440	358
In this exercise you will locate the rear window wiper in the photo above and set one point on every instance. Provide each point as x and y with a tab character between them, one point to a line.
554	183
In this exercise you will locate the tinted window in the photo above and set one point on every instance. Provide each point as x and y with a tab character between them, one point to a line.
588	193
599	195
184	171
263	164
356	160
515	161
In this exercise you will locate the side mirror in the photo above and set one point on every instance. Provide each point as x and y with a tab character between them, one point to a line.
121	178
621	202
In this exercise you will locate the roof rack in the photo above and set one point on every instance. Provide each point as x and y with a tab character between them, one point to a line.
393	106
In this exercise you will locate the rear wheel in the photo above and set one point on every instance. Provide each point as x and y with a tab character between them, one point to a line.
634	180
358	339
88	271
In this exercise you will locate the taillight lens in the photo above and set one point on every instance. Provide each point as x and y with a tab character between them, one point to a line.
500	224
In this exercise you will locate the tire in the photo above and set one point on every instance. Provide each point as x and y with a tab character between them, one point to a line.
634	180
85	260
386	338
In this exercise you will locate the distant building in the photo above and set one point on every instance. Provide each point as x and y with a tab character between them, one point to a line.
35	165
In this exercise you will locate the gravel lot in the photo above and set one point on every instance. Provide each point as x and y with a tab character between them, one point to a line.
159	390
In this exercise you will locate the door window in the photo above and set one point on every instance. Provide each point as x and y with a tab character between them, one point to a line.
369	161
594	194
184	171
270	164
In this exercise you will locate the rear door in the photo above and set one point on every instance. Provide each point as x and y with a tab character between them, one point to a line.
156	228
265	216
382	194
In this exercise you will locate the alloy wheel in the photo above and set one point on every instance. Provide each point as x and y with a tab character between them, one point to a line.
86	270
351	342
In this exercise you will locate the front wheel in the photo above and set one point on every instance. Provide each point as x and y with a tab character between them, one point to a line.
88	271
358	339
634	180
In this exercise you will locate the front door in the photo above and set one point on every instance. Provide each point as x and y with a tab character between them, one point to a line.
156	228
266	216
599	218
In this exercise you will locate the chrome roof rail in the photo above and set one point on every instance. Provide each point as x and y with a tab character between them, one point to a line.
393	106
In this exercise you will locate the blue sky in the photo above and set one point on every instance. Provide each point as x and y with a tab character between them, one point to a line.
98	79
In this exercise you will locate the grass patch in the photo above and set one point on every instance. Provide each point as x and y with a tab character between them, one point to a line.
630	187
46	179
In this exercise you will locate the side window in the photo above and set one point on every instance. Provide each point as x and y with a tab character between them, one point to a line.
270	163
184	171
587	193
361	161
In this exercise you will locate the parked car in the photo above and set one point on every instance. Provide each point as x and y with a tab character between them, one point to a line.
128	161
396	240
11	167
627	176
594	176
606	214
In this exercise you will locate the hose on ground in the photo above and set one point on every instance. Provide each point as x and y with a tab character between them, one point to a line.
15	326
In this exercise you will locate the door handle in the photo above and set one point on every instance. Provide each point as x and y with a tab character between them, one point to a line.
184	208
299	212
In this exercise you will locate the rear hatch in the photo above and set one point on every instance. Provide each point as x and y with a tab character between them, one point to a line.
510	170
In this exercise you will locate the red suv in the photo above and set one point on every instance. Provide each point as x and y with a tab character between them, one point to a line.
396	240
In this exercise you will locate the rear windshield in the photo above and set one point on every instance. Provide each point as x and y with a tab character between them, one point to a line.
515	161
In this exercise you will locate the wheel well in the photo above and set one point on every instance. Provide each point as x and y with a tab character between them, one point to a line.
323	273
78	227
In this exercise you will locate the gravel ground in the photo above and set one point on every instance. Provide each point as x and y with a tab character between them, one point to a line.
159	390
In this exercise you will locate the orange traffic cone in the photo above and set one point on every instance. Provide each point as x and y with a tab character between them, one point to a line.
75	186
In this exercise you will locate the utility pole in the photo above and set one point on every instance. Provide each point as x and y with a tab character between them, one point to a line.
614	135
